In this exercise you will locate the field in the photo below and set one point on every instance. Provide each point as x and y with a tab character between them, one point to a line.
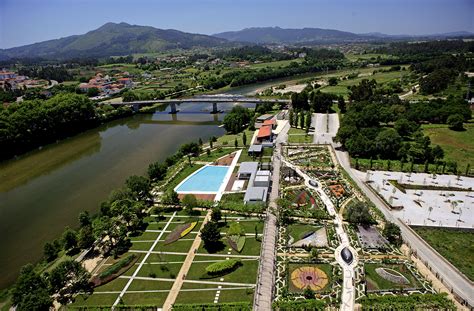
457	146
457	246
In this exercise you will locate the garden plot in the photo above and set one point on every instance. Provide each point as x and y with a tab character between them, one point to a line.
370	238
390	277
161	251
314	157
303	202
303	235
426	206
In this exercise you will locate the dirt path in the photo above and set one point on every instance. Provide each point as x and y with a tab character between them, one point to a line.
178	283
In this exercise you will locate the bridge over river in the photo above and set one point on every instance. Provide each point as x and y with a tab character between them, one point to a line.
214	99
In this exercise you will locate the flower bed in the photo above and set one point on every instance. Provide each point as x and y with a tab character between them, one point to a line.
179	232
114	270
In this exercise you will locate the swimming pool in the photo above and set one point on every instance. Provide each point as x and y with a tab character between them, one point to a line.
205	180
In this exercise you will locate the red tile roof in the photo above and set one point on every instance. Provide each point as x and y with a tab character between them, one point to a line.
265	131
269	122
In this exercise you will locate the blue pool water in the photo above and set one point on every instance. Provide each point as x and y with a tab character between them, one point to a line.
208	179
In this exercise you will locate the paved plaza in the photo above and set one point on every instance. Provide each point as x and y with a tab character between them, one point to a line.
440	208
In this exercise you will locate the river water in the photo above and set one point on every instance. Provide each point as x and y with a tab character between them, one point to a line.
43	191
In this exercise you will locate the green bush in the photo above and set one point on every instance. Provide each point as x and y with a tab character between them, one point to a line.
117	266
233	306
223	266
308	304
411	302
235	229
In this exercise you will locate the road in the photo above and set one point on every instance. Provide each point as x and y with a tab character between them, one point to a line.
266	274
449	275
325	127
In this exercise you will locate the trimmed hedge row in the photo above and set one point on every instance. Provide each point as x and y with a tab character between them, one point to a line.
301	305
233	306
223	266
117	266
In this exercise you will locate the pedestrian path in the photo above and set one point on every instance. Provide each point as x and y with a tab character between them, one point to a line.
173	294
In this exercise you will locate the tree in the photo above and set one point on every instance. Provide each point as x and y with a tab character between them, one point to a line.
291	118
86	237
157	171
404	127
30	291
236	143
50	252
359	213
341	104
211	141
210	235
129	96
244	139
236	119
437	152
216	214
200	141
308	121
388	143
69	239
84	219
455	122
468	168
67	279
189	201
302	119
332	81
170	197
190	148
392	233
139	186
93	91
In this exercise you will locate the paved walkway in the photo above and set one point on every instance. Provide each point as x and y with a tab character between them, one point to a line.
124	290
173	294
266	273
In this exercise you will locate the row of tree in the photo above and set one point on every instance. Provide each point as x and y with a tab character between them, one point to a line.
30	124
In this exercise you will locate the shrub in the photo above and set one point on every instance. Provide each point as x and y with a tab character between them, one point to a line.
224	266
117	266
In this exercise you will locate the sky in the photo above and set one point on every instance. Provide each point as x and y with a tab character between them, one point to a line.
29	21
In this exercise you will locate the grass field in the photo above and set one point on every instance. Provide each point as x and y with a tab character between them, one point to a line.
457	146
300	139
457	246
380	77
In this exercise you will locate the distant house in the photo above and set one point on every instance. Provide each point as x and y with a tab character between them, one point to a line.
271	122
5	75
126	81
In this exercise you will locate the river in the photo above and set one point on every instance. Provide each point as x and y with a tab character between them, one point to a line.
43	191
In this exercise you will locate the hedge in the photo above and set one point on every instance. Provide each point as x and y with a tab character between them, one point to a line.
411	302
117	266
223	266
308	304
233	306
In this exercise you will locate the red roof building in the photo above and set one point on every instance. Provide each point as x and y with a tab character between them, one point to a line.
264	132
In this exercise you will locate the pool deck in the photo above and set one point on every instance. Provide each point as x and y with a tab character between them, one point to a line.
211	195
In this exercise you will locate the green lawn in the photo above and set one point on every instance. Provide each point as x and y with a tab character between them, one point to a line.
457	246
294	130
457	146
300	139
247	273
298	230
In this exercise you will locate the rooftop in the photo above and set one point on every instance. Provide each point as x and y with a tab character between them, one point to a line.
256	194
248	168
264	131
264	117
255	148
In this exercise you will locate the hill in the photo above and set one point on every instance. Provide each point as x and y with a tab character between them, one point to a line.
113	39
266	35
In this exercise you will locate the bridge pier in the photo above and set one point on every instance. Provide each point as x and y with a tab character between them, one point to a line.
173	108
214	108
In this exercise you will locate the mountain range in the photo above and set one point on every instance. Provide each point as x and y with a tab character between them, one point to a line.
269	35
115	39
